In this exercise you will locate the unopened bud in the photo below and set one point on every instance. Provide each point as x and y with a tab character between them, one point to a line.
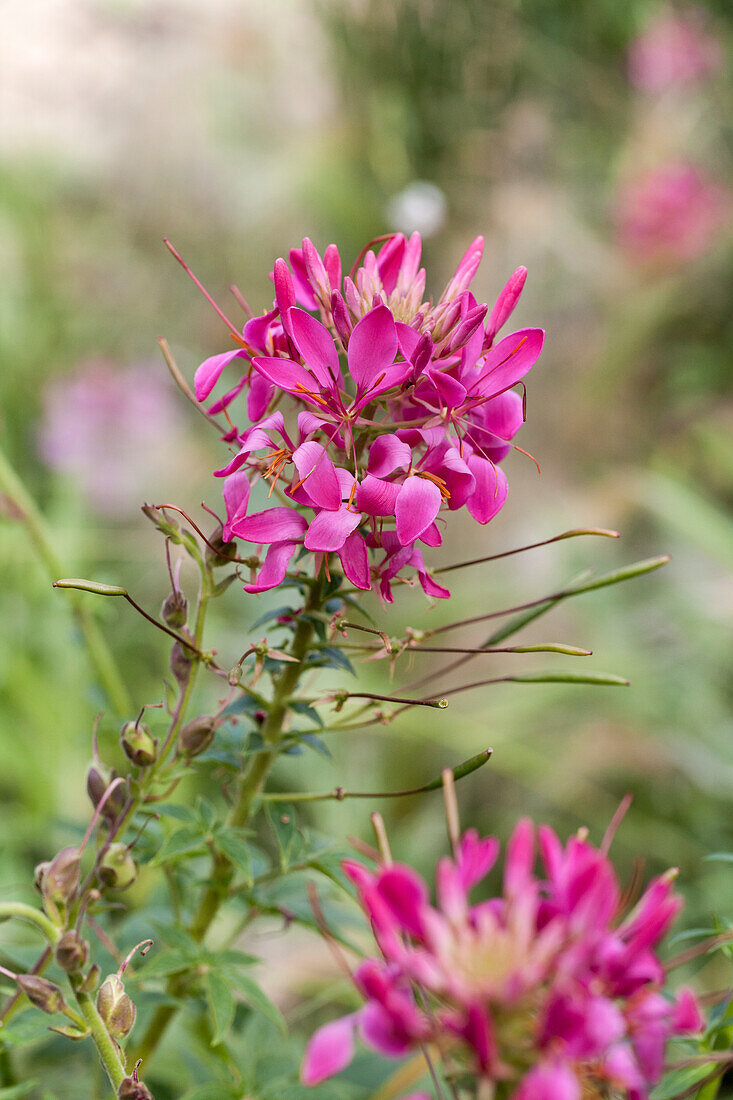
115	1007
180	662
220	552
130	1089
72	952
97	784
42	993
58	879
196	736
175	609
138	744
117	868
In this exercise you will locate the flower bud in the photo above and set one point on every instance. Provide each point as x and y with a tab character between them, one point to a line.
117	868
130	1089
180	662
197	735
97	784
174	611
138	744
42	993
222	552
58	879
72	952
115	1007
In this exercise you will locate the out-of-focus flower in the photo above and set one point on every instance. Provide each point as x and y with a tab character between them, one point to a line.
549	988
670	214
675	50
420	208
107	427
401	409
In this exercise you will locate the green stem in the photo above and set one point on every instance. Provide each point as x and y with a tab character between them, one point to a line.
250	785
106	1048
99	652
27	912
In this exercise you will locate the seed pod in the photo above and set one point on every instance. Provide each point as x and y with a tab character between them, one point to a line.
220	552
72	952
42	993
180	662
97	784
174	611
196	736
115	1007
58	879
138	744
117	868
130	1089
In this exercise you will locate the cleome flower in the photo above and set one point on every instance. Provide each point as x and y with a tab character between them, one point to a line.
548	990
372	412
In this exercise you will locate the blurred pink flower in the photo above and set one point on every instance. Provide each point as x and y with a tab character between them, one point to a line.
670	215
549	987
674	50
107	427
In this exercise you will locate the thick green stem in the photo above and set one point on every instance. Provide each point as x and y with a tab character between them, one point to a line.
100	655
108	1051
248	789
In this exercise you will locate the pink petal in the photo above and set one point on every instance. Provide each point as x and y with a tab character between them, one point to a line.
466	269
332	264
318	474
273	525
236	497
417	506
329	1051
379	1031
386	380
519	859
450	392
329	530
548	1081
315	344
431	536
389	261
284	291
509	361
355	561
377	497
387	454
686	1015
274	567
259	396
303	289
504	415
490	494
208	374
372	347
286	374
407	339
505	303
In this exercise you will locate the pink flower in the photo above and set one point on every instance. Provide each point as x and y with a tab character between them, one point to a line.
670	215
675	50
540	987
401	411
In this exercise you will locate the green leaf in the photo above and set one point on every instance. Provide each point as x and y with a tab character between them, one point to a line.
330	657
305	710
221	1004
16	1091
169	962
206	812
179	813
680	1080
274	614
231	844
183	842
284	825
257	1000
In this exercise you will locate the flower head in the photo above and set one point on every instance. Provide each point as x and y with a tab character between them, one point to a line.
547	986
675	50
373	411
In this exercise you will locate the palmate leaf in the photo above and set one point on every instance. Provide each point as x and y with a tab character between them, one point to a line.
682	1079
232	845
257	999
183	842
14	1092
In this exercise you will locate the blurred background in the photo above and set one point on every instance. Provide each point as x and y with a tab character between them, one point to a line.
588	140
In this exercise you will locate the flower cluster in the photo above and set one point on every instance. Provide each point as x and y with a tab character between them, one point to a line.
674	51
398	409
670	214
547	989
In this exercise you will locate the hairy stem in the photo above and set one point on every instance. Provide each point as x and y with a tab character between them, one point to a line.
99	652
108	1051
249	787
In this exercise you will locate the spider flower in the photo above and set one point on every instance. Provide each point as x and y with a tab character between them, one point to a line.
674	51
372	412
547	988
